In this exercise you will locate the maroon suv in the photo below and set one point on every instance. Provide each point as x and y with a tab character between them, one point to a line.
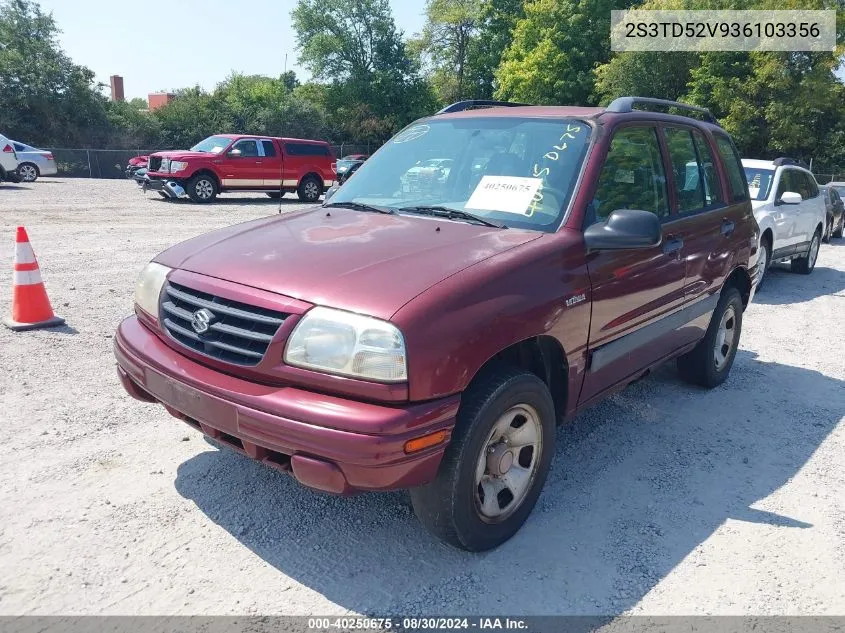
430	332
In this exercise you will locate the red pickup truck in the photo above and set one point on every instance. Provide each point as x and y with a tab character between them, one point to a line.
238	162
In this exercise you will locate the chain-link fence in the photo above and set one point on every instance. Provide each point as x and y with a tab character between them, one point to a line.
838	176
111	163
95	163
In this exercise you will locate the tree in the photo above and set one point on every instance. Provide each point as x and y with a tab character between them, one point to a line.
498	18
355	47
45	98
449	32
554	50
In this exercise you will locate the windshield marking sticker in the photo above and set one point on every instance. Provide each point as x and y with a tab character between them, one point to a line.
508	194
412	134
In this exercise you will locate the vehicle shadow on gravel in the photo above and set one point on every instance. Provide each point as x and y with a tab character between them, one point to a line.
638	483
783	287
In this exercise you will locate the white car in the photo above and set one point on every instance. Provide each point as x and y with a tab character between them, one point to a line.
790	211
34	162
8	161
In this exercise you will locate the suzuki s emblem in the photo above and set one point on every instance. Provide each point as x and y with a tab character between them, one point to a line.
201	320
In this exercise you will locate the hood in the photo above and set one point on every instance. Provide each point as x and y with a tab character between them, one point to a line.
359	261
182	154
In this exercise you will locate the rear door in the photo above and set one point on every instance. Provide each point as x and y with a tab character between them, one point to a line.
635	292
813	211
703	222
271	166
242	165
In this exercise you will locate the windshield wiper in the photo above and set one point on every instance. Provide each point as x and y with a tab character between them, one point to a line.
452	214
358	206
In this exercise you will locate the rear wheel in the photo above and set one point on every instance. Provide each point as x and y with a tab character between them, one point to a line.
496	463
28	172
841	227
710	362
828	231
309	189
202	188
805	265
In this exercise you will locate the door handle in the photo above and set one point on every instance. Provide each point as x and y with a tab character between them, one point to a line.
727	227
672	244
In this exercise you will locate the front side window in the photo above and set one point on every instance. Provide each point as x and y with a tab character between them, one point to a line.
632	176
789	181
247	147
759	182
733	165
212	145
515	171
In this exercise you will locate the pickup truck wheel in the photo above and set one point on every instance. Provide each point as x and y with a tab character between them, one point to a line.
496	463
310	189
202	188
805	265
710	362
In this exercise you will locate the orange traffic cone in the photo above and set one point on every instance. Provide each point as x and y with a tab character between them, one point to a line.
30	306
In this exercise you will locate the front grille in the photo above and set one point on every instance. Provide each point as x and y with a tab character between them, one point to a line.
237	333
154	163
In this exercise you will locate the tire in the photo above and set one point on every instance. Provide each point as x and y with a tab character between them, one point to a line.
310	189
28	172
805	265
453	505
828	230
710	362
766	256
841	228
202	188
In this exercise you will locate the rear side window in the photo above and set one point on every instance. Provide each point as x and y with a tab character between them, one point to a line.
686	169
712	190
19	147
306	149
733	165
269	148
632	176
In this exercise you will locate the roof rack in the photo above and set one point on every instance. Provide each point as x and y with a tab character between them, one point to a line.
626	104
460	106
783	160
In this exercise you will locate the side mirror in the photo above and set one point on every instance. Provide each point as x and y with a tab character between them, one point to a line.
625	228
790	197
233	153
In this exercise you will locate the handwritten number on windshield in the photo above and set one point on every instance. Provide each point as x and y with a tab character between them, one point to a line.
543	172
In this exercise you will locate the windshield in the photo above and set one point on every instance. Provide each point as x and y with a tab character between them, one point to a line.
759	182
212	145
518	172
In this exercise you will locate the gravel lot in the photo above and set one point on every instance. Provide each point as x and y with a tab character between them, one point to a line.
665	499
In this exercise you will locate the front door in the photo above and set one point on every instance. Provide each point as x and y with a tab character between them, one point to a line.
785	216
242	166
635	292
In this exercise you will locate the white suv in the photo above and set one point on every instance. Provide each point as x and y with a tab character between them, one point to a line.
8	161
790	211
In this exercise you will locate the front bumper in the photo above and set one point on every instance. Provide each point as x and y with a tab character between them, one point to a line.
287	427
168	187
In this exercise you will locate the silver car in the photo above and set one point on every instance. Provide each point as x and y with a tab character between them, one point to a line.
34	162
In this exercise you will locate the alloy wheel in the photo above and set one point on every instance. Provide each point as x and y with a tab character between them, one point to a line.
814	252
28	173
508	464
725	338
204	189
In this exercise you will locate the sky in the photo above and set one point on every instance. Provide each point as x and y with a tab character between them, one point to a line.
160	46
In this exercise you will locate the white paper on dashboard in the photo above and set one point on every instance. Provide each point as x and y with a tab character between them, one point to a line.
510	194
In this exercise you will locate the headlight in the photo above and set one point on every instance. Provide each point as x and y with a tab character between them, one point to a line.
177	165
165	164
339	342
148	288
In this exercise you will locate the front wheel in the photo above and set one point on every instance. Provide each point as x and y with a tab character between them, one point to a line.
309	189
496	463
202	188
710	362
841	228
805	265
828	231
